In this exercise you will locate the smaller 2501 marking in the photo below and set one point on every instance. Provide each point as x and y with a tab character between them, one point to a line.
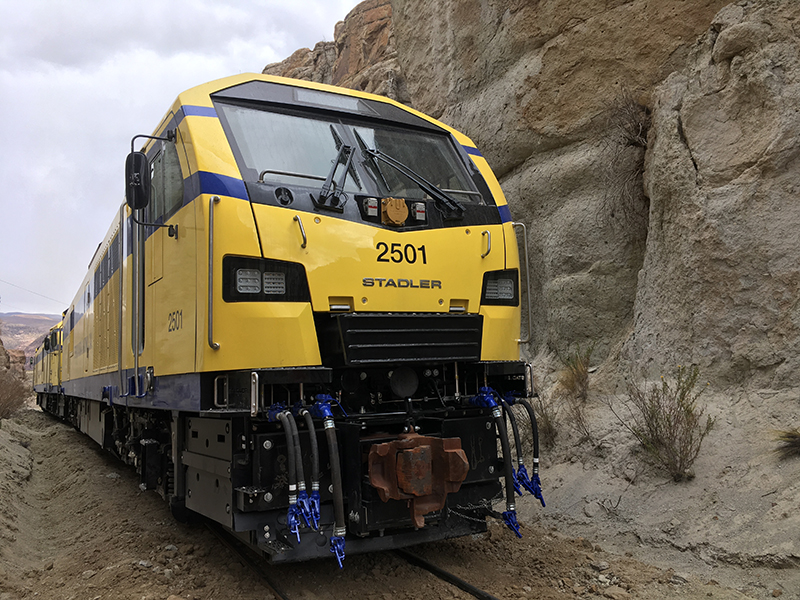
175	320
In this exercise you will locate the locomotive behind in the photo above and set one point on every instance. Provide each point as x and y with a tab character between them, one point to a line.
304	323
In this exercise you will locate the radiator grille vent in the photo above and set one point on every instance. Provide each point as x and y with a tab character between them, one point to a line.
409	337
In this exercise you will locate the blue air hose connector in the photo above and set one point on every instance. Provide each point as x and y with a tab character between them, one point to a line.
510	519
337	547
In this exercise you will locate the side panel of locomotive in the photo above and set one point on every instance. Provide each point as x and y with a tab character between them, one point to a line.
285	296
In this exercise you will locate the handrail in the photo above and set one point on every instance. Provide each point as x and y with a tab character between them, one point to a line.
254	393
136	293
489	244
214	200
122	388
302	231
526	339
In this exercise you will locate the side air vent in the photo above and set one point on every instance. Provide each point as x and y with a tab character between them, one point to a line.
387	338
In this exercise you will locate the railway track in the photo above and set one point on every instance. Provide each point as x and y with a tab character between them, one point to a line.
263	570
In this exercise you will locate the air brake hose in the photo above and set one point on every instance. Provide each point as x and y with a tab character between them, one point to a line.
322	409
485	399
303	509
517	445
314	499
535	483
291	517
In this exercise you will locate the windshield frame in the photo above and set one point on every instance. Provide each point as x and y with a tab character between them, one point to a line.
480	206
467	189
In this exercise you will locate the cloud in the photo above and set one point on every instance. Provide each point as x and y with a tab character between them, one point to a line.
79	79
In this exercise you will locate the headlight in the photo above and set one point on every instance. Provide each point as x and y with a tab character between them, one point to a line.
501	288
248	281
263	280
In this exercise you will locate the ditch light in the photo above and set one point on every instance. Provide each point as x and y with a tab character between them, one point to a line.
263	280
501	288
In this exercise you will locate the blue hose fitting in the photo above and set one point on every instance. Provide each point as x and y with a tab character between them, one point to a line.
304	507
273	412
511	397
525	480
517	479
293	520
537	488
321	409
313	505
485	398
510	519
337	547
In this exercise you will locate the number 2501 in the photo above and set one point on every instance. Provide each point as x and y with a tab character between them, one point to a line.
175	320
399	253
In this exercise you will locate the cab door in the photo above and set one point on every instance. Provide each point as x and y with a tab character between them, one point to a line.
171	266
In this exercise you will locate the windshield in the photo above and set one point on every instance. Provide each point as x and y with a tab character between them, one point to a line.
298	150
284	148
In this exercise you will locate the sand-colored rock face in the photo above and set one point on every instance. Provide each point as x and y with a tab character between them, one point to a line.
689	256
362	55
721	278
5	361
534	83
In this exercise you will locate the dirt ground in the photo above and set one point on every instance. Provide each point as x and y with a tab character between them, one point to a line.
74	525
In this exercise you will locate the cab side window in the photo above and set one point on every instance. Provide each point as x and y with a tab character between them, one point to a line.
166	193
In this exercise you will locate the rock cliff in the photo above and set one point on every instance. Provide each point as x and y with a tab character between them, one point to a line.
5	360
675	247
362	56
720	282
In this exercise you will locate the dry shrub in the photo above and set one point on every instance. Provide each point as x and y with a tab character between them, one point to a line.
627	123
12	393
573	383
574	378
577	418
667	421
546	419
789	443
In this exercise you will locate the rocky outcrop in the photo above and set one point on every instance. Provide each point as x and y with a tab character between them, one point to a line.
683	257
539	87
5	361
720	284
362	55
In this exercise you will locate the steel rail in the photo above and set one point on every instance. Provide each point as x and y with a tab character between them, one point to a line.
447	576
245	556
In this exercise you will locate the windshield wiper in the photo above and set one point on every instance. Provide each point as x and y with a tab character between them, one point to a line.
330	196
376	168
450	207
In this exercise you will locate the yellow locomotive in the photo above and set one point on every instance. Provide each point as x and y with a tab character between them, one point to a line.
46	364
305	280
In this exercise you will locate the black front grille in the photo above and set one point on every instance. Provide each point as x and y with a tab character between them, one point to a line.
409	337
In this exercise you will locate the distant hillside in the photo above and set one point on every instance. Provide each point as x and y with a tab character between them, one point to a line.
24	332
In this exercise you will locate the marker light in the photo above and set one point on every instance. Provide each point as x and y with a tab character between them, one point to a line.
274	283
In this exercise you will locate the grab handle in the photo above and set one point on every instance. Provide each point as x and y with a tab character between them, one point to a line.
488	235
302	231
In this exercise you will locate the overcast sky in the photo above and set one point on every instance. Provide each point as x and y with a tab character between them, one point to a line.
78	79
